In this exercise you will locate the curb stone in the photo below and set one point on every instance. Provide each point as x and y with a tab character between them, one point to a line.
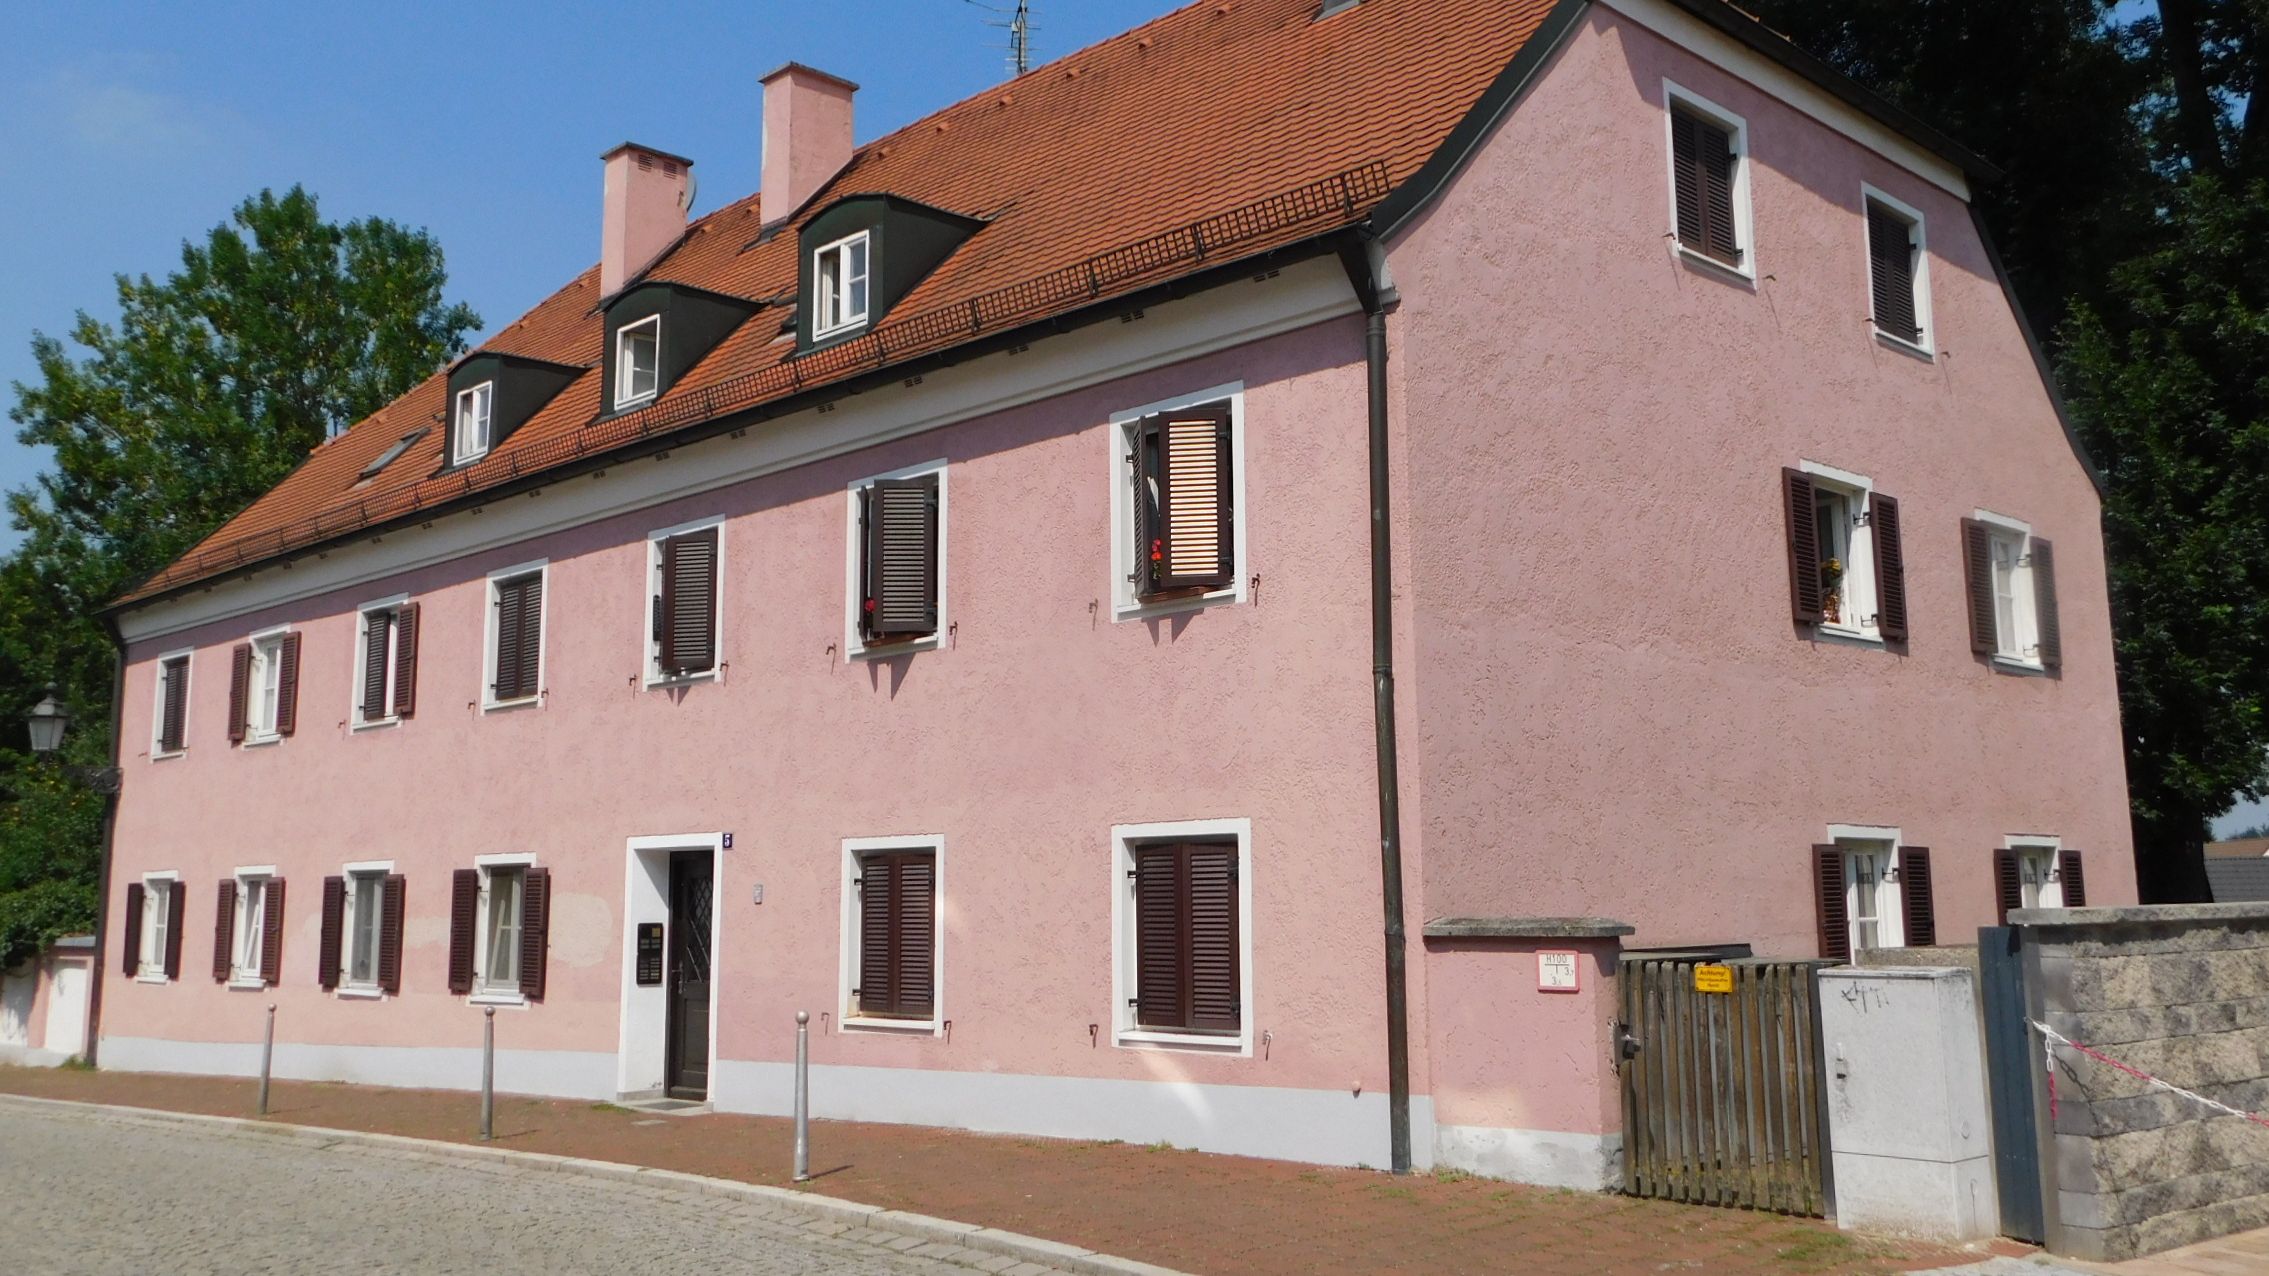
889	1229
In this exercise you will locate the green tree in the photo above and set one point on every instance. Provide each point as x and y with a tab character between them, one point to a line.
278	330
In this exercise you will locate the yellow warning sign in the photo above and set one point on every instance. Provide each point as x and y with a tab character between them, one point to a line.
1713	979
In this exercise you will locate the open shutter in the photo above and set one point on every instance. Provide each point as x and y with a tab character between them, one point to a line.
239	690
334	930
175	711
1890	568
1806	594
1215	984
1918	906
510	599
130	938
689	602
377	630
900	590
1977	576
287	686
1717	160
915	903
464	905
531	634
2075	882
2008	885
1686	178
1161	960
390	933
177	912
2051	637
224	925
875	938
535	931
406	660
1195	539
272	933
1835	922
1890	259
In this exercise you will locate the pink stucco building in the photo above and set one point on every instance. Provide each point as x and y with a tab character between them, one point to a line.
943	593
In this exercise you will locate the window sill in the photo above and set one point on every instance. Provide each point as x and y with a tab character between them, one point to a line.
891	1027
632	405
1203	1043
661	681
524	702
2020	667
376	724
168	757
243	983
1911	349
1146	610
1709	265
252	741
838	332
346	993
899	647
147	978
1845	634
511	999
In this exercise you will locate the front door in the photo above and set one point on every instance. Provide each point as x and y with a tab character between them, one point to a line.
688	980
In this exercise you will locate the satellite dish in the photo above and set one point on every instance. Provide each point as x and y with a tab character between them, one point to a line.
685	197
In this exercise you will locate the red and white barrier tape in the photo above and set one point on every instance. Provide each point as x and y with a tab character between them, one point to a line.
2051	1038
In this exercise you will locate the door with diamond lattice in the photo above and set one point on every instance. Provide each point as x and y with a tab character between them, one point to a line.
691	905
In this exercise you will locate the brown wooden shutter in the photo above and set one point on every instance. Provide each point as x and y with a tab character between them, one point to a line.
1161	960
1890	568
535	931
287	686
406	660
519	636
224	925
377	628
1717	161
1806	593
1216	993
176	913
1916	900
130	946
2075	882
1835	922
272	933
175	710
334	930
900	568
391	900
914	908
464	907
239	690
531	634
1977	573
1890	257
2051	635
687	618
876	941
1196	531
1686	179
2008	885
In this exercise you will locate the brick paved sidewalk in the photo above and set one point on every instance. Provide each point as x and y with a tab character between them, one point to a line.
1196	1212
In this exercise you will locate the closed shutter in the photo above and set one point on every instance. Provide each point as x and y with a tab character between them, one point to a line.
2051	637
1977	577
1890	568
130	946
287	685
900	558
2008	885
1917	904
914	907
2074	881
239	690
1806	594
378	628
272	933
535	931
687	620
1890	259
175	710
464	906
1192	539
224	926
177	912
334	930
1686	179
1702	166
1161	960
1835	921
519	636
1215	976
390	907
406	660
875	938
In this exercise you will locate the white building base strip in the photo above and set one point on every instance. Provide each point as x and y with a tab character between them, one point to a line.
560	1074
26	1057
1546	1158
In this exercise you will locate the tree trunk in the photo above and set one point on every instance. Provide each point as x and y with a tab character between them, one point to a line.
2197	117
2170	862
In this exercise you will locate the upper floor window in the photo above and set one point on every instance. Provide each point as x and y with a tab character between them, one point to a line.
516	635
2011	575
386	662
1898	271
475	411
683	563
839	296
1181	534
1709	179
170	728
897	560
638	361
264	688
1846	563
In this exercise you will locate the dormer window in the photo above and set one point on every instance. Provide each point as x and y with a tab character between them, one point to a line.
475	410
638	361
839	298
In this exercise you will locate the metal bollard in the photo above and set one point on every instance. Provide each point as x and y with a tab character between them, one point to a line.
488	1073
267	1057
803	1096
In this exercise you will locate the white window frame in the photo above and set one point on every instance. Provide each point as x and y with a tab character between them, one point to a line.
461	443
1124	1033
2039	847
267	654
1120	439
188	658
847	963
1890	905
489	702
854	642
2019	649
650	642
484	993
1674	97
1926	341
355	716
149	961
624	397
244	930
1862	598
350	918
824	324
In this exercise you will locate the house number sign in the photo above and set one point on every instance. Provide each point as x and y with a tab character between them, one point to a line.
649	954
1556	972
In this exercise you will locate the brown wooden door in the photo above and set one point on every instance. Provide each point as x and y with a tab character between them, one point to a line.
691	907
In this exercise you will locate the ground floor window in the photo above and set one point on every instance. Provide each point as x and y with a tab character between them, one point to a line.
158	949
249	947
499	929
893	957
1874	892
1184	951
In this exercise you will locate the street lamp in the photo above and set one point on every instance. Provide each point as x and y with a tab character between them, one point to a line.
46	722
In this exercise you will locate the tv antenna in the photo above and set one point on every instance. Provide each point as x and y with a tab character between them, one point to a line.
1017	22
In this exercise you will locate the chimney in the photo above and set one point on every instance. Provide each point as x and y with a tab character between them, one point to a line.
807	136
647	194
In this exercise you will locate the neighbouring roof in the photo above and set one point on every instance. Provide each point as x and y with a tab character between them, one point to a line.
2238	848
2238	881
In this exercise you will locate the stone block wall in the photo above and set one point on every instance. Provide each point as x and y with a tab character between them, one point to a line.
2180	993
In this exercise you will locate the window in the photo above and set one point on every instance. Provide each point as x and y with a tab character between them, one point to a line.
1179	534
1873	892
1846	562
500	929
362	930
839	286
892	947
475	409
1182	933
684	574
2011	575
896	561
1709	179
394	452
2037	873
1898	271
638	361
264	688
516	635
500	964
153	909
170	720
257	928
386	662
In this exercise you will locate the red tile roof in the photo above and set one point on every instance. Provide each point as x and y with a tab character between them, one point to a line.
1245	122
